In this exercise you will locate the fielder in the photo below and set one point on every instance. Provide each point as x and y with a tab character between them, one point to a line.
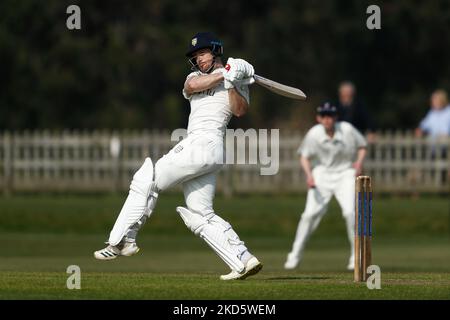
215	94
331	156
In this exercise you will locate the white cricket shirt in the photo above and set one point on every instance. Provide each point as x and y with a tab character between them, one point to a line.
336	153
210	109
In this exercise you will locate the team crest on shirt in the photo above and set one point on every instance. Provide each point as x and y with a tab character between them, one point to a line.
194	41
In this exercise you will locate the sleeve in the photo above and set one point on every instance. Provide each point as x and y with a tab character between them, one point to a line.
185	94
425	123
308	147
360	141
448	121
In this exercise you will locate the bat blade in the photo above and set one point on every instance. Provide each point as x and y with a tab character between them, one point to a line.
279	88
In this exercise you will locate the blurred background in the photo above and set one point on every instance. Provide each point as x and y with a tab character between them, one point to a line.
125	68
81	109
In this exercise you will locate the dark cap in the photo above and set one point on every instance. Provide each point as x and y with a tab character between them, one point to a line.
327	109
204	40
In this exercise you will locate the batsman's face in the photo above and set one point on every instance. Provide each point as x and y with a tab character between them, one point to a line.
204	59
328	121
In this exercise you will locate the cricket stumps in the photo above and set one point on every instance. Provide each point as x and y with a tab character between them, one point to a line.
363	227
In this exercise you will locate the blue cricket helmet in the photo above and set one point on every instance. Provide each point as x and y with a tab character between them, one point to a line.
204	40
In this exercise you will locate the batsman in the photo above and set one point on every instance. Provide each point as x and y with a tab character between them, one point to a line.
215	94
331	156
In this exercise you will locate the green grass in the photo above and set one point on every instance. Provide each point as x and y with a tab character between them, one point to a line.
42	235
269	285
254	215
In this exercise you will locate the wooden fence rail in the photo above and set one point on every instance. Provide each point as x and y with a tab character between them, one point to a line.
106	161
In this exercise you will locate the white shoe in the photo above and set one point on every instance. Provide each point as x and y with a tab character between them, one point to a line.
112	252
351	263
129	249
291	262
252	267
108	253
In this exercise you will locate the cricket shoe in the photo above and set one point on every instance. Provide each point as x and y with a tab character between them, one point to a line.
108	253
291	262
252	267
112	252
129	249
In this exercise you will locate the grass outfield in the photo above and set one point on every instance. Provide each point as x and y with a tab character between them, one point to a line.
42	235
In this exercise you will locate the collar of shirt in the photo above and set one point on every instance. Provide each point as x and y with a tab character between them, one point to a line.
336	137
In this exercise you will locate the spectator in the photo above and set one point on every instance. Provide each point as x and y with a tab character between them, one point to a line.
437	121
350	109
435	125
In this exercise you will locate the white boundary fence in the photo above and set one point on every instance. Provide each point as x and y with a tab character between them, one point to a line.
106	161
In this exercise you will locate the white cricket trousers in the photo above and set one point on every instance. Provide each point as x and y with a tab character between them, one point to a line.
194	162
339	184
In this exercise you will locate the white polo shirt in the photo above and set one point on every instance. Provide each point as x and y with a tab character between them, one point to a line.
334	154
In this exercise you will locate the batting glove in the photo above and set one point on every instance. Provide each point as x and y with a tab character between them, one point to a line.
245	67
232	72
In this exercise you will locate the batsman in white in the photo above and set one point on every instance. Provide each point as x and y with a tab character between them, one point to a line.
215	94
331	156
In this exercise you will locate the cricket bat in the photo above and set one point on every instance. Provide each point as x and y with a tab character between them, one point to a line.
276	87
279	88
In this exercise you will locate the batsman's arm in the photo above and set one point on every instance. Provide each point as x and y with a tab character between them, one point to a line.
203	82
306	166
238	104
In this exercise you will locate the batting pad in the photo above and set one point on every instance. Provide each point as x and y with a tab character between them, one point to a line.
215	236
141	200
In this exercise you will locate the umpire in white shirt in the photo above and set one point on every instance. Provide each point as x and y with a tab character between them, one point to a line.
331	155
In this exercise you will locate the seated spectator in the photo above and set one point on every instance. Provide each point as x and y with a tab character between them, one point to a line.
350	109
437	121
